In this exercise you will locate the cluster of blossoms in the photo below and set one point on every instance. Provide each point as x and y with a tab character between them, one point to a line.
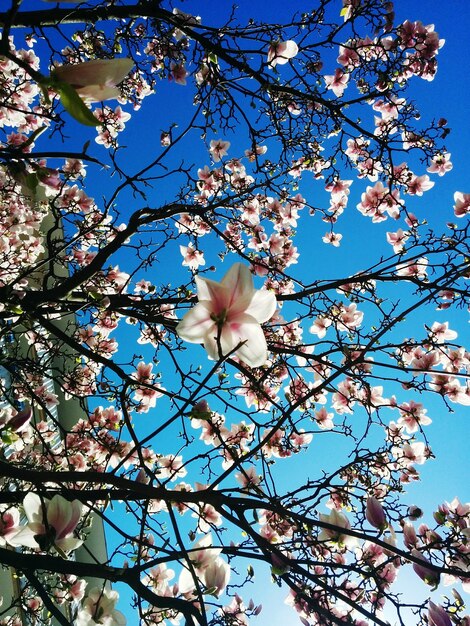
294	391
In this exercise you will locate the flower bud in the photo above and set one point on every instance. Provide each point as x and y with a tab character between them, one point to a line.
375	514
414	512
437	615
429	576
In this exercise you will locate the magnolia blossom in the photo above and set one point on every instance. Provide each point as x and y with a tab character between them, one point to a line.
210	568
339	521
228	317
50	523
462	203
281	52
430	577
375	514
9	525
218	149
337	82
95	80
98	609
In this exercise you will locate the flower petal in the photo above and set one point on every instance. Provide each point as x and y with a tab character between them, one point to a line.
68	544
33	508
254	351
25	537
214	293
239	281
97	72
262	306
99	93
196	324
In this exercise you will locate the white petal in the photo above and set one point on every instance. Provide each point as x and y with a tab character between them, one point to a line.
186	581
33	507
227	340
58	513
196	324
262	306
97	72
68	544
239	282
99	93
25	537
254	352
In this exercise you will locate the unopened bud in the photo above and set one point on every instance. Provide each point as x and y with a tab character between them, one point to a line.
429	576
375	514
437	615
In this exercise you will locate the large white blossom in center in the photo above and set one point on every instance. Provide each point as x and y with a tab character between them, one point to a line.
230	314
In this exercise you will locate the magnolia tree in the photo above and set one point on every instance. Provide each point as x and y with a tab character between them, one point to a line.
174	362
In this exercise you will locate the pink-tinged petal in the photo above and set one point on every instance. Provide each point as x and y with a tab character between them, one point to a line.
216	576
97	72
63	515
25	537
263	306
58	514
75	515
215	293
239	281
196	324
437	615
280	53
227	340
254	352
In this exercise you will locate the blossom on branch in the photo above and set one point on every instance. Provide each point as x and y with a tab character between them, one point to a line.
228	317
95	80
281	52
51	523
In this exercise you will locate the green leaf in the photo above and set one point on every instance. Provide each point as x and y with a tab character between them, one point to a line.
74	105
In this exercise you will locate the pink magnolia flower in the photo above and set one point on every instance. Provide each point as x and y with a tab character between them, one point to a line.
462	204
95	80
337	82
219	148
281	52
9	525
440	164
339	521
193	258
417	185
216	576
228	317
178	73
50	523
211	569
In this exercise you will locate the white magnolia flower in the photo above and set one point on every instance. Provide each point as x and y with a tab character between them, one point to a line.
228	317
